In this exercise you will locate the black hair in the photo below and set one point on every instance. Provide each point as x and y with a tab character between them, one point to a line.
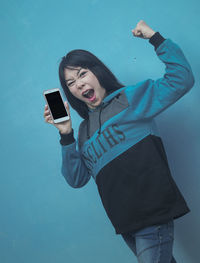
85	59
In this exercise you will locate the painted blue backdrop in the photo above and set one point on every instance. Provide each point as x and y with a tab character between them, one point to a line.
42	219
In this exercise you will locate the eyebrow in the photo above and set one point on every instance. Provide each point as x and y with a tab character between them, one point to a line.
77	75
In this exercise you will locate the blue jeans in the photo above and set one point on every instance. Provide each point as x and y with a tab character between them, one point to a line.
152	244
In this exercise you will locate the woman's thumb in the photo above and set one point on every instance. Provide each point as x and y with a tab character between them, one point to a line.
67	107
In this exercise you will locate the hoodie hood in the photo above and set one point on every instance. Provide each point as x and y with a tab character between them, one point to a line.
98	110
107	100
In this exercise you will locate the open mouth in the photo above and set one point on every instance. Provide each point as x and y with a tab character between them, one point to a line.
88	93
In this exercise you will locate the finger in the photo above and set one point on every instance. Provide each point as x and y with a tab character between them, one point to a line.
46	110
136	32
139	34
49	119
46	107
51	122
142	22
67	107
46	119
46	113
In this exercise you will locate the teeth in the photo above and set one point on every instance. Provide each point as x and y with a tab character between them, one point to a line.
86	92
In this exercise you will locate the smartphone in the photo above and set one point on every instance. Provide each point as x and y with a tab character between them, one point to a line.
56	105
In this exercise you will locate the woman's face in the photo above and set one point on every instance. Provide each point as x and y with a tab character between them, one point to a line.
84	85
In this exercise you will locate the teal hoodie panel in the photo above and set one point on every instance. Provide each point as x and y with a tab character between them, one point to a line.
145	100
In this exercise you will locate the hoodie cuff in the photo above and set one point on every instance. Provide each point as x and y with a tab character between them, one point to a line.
156	40
67	138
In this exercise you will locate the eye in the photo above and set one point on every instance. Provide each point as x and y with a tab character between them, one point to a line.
70	84
83	73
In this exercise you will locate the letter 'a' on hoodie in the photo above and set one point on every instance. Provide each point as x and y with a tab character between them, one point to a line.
120	147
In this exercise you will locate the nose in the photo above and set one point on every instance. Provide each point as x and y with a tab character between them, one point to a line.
79	84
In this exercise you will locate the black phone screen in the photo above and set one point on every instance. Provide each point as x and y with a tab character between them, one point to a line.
56	105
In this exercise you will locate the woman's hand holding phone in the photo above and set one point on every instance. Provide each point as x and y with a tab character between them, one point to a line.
64	127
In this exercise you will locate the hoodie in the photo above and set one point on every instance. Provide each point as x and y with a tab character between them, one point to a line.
120	147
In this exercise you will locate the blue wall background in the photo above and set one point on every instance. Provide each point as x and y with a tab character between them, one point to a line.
42	218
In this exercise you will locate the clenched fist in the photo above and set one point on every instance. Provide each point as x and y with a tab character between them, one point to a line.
142	30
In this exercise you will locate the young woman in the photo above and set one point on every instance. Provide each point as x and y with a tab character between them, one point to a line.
119	145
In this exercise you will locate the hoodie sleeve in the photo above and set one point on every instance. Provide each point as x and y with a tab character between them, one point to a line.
73	168
150	97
